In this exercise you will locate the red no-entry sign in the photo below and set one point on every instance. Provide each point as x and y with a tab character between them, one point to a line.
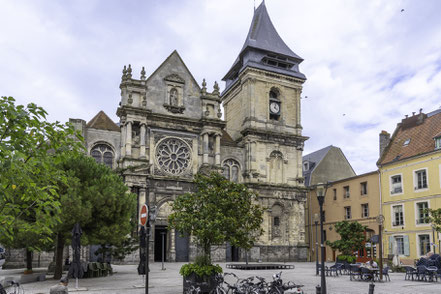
143	215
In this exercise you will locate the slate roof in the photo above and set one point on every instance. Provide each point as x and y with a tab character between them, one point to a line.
314	159
263	35
263	39
102	122
421	129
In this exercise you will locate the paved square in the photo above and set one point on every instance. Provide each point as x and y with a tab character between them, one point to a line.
126	280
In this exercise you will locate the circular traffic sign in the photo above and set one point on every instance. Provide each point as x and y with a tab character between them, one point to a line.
143	215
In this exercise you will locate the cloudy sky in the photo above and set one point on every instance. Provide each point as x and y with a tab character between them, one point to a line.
368	63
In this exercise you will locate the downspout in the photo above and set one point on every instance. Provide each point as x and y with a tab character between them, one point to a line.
381	202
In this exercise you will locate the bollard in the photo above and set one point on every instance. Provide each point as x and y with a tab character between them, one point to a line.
318	289
371	288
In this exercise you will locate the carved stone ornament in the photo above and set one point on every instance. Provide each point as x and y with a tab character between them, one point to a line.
174	78
173	156
174	109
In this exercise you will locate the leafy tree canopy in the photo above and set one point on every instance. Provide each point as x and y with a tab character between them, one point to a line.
351	237
218	211
30	147
435	218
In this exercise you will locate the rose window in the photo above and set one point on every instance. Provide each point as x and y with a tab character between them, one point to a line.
173	156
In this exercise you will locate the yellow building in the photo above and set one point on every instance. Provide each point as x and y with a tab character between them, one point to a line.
353	199
410	174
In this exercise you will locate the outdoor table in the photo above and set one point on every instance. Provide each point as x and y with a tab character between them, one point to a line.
374	270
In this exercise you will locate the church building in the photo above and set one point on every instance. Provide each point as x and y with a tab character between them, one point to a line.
170	128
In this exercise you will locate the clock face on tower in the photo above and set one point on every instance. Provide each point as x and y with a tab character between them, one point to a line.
274	107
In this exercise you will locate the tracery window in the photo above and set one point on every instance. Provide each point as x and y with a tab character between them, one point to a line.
231	170
173	156
102	153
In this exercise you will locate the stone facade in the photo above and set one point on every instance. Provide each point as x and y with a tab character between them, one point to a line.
171	128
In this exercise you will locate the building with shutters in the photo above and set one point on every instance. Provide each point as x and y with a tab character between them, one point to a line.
410	175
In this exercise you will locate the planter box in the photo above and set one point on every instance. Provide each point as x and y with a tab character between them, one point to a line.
206	283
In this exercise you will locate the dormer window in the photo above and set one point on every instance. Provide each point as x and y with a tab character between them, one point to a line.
406	142
277	61
438	143
305	166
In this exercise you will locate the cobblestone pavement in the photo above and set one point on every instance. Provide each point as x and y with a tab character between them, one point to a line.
126	280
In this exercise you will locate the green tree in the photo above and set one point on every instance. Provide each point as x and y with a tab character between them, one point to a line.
98	199
435	218
351	237
29	149
218	211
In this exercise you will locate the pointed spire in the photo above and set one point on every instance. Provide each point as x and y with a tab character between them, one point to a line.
263	35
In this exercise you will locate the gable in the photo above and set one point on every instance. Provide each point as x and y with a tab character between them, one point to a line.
172	80
333	166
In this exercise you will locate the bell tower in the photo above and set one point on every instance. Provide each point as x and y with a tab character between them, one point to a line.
262	105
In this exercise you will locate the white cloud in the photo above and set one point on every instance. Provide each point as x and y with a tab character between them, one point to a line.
367	63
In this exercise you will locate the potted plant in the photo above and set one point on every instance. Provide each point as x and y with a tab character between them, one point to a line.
218	211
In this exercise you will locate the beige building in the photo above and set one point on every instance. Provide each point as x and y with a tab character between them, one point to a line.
354	199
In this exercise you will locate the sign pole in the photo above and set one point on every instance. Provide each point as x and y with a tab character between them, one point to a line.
147	260
144	221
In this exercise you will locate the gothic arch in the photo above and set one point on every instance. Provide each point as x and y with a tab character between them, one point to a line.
103	152
232	169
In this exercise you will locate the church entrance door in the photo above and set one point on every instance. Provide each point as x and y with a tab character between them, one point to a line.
160	248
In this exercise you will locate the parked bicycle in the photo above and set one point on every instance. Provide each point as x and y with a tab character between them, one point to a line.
13	288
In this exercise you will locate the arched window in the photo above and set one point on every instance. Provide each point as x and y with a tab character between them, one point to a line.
274	104
276	221
102	153
174	101
273	94
231	170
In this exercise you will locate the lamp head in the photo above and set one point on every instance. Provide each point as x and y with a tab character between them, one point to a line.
316	218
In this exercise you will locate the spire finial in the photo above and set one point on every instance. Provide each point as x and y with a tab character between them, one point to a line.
124	73
204	86
143	74
129	72
216	88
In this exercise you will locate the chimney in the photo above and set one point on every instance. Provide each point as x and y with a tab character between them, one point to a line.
384	141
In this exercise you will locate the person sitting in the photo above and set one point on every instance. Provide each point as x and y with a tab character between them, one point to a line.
372	263
61	288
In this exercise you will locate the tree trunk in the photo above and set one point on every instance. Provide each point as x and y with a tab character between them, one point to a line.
28	259
59	257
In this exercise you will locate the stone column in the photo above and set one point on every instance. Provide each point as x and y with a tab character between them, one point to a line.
205	148
172	245
217	150
129	138
123	140
142	143
142	194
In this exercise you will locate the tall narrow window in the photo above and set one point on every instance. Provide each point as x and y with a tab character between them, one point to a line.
398	217
396	186
363	188
422	213
346	193
276	167
424	244
400	244
102	153
420	179
348	214
365	210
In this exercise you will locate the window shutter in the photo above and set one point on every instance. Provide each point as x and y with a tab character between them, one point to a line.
406	245
391	242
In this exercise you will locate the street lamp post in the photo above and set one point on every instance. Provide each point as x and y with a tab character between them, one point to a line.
321	192
316	219
380	220
152	212
433	239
